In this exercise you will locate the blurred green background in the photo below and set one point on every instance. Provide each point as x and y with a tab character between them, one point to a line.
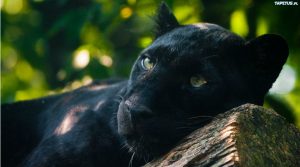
51	46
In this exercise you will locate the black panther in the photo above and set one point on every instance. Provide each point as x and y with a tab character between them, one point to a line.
188	75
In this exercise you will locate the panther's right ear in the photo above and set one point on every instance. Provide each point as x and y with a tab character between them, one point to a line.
165	20
266	54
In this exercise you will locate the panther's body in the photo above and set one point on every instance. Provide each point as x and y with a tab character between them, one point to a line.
188	74
72	129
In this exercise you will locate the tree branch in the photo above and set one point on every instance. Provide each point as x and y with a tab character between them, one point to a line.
248	135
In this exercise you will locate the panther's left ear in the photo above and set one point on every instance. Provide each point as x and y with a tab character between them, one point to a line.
165	20
267	54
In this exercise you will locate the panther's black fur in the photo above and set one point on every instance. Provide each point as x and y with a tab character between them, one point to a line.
108	122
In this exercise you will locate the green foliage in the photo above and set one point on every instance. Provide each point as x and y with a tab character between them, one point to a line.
49	46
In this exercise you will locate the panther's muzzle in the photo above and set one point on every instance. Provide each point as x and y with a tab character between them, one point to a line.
131	117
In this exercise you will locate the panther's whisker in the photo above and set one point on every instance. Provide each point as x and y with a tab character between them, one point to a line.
146	158
131	160
196	122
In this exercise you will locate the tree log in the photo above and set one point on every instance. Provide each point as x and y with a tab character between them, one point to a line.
248	135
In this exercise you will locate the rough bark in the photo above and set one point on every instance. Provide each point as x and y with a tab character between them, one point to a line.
247	136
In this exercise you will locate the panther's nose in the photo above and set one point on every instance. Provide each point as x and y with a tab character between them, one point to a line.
125	126
130	118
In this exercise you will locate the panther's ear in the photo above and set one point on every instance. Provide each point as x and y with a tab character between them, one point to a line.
267	54
165	20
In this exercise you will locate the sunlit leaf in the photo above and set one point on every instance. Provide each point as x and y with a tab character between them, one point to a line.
238	23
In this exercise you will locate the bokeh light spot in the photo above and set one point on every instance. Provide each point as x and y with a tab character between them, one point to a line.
76	84
9	57
87	80
106	60
145	41
238	23
13	6
1	4
126	12
81	59
262	27
285	82
24	71
185	14
61	75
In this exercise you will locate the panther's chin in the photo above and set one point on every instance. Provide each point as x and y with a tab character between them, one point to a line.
146	149
140	151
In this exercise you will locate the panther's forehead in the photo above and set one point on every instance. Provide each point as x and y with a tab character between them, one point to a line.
190	40
204	34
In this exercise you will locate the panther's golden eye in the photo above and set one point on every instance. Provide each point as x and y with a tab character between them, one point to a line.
197	81
147	63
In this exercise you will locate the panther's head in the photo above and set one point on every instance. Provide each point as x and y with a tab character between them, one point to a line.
189	74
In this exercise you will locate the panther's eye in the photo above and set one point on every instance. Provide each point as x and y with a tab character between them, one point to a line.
147	63
197	81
